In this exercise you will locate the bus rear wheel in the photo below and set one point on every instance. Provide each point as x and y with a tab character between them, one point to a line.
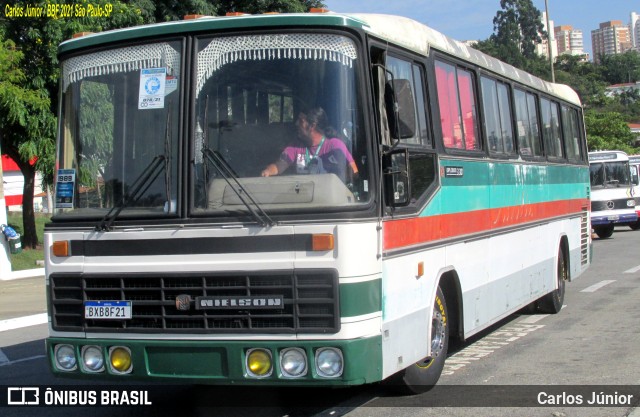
552	302
604	232
423	375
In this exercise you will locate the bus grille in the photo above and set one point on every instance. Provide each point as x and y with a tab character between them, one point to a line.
309	302
618	204
585	230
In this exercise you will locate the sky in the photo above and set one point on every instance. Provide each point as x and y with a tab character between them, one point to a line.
473	19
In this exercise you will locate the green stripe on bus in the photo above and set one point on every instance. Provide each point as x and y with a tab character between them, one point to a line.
360	298
499	173
488	185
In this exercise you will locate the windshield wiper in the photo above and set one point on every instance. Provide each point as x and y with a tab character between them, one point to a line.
138	188
260	216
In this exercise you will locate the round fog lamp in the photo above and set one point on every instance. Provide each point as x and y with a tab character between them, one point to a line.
65	357
329	362
92	359
120	360
259	362
293	363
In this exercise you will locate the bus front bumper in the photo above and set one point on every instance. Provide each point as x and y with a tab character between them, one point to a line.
326	363
613	219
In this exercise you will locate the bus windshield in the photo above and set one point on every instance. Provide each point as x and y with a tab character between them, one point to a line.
275	125
119	132
281	112
609	174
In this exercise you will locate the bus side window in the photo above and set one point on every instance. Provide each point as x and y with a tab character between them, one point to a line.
571	132
497	116
551	128
527	124
635	180
458	111
412	75
419	153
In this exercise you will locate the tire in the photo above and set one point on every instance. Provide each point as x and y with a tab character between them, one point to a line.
635	225
552	302
604	232
423	375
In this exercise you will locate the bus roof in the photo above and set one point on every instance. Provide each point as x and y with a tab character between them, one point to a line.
634	159
399	30
604	156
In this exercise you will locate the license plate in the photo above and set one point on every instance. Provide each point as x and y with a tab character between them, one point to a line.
613	218
107	310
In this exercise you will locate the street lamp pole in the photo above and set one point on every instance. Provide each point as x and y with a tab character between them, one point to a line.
549	31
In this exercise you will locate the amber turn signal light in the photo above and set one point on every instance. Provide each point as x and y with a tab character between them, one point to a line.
60	248
322	242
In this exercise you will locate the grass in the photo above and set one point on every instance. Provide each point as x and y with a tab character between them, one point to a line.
28	257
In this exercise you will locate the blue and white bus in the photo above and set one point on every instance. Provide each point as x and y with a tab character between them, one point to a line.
612	193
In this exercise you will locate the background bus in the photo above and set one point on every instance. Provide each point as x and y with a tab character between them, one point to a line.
634	166
612	201
447	190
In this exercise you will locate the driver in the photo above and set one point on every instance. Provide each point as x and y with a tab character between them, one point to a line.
320	151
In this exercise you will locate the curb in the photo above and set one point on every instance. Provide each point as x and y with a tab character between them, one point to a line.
27	273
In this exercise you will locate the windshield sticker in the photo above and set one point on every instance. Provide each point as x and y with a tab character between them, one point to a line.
170	85
152	87
65	185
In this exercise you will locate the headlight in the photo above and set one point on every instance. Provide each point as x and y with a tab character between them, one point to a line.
65	357
92	359
259	363
293	363
329	363
120	360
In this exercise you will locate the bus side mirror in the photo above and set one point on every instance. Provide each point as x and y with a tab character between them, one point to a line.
396	178
401	110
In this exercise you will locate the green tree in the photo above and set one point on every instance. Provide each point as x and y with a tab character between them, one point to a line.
584	77
252	6
27	127
516	31
620	68
608	131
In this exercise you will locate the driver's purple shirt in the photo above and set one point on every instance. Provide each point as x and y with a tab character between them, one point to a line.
297	154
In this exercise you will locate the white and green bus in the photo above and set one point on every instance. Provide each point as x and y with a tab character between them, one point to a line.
302	199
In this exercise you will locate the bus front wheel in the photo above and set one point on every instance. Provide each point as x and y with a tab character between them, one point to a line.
423	375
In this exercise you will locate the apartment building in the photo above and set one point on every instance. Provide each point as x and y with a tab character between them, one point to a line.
634	28
612	37
569	40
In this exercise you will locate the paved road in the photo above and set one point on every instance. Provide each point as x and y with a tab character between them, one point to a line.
592	345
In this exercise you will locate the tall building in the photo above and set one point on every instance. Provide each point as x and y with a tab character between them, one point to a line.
610	38
569	40
634	28
543	48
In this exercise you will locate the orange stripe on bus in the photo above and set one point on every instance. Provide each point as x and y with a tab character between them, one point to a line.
408	232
